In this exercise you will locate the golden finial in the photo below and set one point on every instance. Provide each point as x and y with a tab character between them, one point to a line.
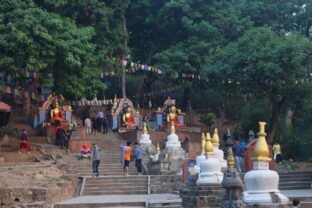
208	145
261	151
230	159
158	148
203	143
144	128
172	128
215	137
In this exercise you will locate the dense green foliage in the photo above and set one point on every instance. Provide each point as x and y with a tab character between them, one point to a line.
253	51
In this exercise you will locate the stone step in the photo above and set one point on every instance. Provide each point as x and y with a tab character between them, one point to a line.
130	201
115	192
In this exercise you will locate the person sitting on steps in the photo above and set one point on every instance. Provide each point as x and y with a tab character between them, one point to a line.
85	152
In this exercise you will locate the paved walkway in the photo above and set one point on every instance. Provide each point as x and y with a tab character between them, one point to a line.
297	193
106	199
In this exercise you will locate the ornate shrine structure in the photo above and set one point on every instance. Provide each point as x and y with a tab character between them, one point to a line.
54	110
125	117
168	114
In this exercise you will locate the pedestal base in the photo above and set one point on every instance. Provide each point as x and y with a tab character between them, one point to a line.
209	178
265	199
201	195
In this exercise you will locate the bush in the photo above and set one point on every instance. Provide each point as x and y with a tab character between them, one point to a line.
208	118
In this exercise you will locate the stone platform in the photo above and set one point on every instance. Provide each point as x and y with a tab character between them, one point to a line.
121	200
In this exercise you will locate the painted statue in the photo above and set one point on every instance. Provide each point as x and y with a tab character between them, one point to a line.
128	118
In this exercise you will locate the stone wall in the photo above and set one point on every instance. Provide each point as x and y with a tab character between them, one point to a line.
34	186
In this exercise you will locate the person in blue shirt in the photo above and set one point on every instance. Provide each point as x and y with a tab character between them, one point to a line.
238	155
138	157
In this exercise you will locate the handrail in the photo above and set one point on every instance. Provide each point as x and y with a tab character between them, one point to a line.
82	186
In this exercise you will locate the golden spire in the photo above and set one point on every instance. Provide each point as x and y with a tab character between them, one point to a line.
208	145
144	128
172	128
215	138
203	143
261	151
158	148
230	159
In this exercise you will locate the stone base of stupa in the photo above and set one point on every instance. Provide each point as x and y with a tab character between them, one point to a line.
209	178
266	200
201	195
172	161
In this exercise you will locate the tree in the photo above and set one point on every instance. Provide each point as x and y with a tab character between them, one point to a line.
266	64
41	41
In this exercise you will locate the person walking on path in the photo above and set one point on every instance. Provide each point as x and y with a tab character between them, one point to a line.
125	157
238	155
104	125
138	157
94	125
24	147
60	136
96	157
277	152
88	125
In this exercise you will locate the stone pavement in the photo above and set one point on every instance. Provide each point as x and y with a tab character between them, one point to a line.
304	195
122	200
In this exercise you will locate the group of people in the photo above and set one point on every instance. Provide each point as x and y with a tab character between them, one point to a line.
62	136
126	157
239	148
98	124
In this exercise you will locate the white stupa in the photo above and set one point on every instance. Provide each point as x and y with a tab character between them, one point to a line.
218	154
173	139
200	158
262	183
145	137
210	168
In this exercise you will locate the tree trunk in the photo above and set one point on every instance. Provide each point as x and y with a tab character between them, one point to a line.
123	69
276	111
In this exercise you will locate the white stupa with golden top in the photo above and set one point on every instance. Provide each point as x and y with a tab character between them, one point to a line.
145	137
218	154
262	183
200	158
173	139
210	168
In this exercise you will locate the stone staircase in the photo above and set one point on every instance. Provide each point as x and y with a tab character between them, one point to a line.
111	188
110	158
292	180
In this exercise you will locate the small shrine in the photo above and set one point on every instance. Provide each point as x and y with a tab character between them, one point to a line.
210	168
173	155
218	154
54	111
262	183
125	117
233	184
168	114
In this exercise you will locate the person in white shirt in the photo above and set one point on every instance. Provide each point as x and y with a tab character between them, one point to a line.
88	125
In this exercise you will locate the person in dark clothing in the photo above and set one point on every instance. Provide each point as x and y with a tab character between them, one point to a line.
104	124
69	132
94	125
60	136
138	157
99	124
238	155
